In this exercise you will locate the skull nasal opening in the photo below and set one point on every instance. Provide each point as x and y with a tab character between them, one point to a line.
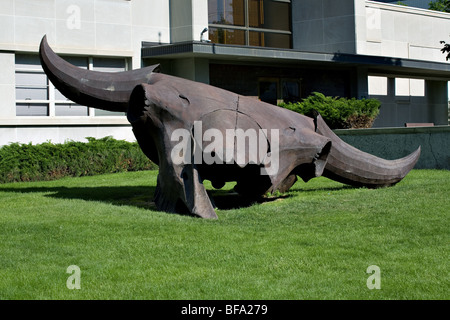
137	105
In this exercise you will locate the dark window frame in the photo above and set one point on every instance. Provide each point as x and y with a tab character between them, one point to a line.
280	89
223	28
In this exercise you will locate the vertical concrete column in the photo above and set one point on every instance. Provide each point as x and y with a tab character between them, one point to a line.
187	19
394	119
7	98
180	20
436	93
199	19
391	88
195	69
388	116
360	26
7	86
202	70
362	86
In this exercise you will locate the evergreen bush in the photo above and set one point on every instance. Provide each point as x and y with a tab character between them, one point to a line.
338	113
47	161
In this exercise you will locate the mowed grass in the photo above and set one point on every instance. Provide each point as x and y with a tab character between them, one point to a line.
314	242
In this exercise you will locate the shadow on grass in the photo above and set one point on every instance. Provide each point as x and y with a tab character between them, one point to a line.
229	200
324	189
139	196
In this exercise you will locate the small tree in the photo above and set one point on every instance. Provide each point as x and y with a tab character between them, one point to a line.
440	5
444	6
445	49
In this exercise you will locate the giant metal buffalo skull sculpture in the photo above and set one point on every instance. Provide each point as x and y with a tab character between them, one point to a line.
178	124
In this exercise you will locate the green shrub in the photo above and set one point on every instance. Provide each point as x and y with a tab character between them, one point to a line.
47	161
338	113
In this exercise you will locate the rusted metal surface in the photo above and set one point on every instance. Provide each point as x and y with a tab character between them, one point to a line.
161	108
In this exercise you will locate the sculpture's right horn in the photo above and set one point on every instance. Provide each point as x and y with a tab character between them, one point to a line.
102	90
351	166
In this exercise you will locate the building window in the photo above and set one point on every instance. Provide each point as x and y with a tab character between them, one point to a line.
262	23
32	90
36	95
409	87
378	86
277	90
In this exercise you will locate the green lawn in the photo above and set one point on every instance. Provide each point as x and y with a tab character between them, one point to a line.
315	242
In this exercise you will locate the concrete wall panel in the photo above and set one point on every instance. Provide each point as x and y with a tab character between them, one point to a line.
397	143
397	27
324	26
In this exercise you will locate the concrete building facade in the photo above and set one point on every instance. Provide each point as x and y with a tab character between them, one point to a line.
271	49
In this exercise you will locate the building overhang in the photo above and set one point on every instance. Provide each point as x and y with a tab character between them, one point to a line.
375	65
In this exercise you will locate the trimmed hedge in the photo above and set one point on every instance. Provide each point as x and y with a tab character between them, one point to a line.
47	161
339	113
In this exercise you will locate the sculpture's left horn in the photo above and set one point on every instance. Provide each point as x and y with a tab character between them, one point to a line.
102	90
